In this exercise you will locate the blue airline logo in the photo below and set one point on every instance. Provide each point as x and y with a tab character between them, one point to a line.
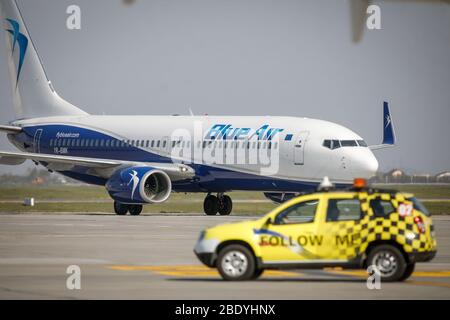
18	39
228	132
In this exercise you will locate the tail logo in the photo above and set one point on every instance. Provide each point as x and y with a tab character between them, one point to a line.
388	121
18	39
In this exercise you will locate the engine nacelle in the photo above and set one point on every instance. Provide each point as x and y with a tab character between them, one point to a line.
139	185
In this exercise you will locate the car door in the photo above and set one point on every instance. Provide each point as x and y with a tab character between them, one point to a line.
291	237
341	228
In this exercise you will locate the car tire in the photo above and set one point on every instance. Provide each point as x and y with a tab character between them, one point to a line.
408	271
236	263
120	209
225	206
211	205
389	261
135	209
257	273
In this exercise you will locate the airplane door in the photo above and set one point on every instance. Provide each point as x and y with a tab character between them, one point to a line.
299	147
37	141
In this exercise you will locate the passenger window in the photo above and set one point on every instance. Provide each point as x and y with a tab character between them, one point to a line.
343	210
164	143
381	208
303	212
158	143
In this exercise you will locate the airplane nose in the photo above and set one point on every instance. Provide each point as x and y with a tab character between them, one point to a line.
365	166
372	165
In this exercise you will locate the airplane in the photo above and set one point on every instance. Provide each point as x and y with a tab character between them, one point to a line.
143	159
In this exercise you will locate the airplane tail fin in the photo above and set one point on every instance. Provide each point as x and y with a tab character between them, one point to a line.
388	126
389	138
33	94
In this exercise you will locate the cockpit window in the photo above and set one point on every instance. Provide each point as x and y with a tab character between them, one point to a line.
335	144
362	143
349	143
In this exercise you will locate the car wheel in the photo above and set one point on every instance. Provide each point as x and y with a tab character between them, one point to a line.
408	271
236	263
225	206
135	210
211	205
389	261
120	208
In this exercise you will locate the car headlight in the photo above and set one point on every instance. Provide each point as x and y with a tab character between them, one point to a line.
202	235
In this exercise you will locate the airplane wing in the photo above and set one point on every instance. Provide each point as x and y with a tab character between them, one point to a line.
10	129
388	130
101	167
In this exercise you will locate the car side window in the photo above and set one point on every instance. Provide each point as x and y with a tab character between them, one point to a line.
381	208
303	212
343	210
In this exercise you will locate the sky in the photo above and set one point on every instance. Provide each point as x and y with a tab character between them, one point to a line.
253	57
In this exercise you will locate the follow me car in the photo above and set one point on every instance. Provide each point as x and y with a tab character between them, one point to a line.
351	228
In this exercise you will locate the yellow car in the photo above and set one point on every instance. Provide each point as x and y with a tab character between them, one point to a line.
353	228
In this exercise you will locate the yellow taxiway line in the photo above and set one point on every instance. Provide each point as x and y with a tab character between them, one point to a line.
193	271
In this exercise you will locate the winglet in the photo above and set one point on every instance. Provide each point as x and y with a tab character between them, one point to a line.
388	130
388	126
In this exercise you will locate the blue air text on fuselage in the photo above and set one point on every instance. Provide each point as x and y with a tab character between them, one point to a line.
228	132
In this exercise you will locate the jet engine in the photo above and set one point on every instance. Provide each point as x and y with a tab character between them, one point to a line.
139	185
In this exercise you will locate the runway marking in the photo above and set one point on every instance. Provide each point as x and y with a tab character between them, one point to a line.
194	270
363	273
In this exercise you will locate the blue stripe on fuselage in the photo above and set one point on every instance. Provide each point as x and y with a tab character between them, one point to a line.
208	178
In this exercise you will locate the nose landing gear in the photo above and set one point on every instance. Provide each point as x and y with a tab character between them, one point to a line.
221	204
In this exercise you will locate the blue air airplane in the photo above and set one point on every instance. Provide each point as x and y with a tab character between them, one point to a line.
142	159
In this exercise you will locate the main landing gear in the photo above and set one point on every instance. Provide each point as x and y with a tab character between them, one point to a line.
122	209
221	204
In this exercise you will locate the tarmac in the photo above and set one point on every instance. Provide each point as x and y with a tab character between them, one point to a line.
151	257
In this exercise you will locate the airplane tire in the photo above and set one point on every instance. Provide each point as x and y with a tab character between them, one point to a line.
211	205
225	206
120	208
135	209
